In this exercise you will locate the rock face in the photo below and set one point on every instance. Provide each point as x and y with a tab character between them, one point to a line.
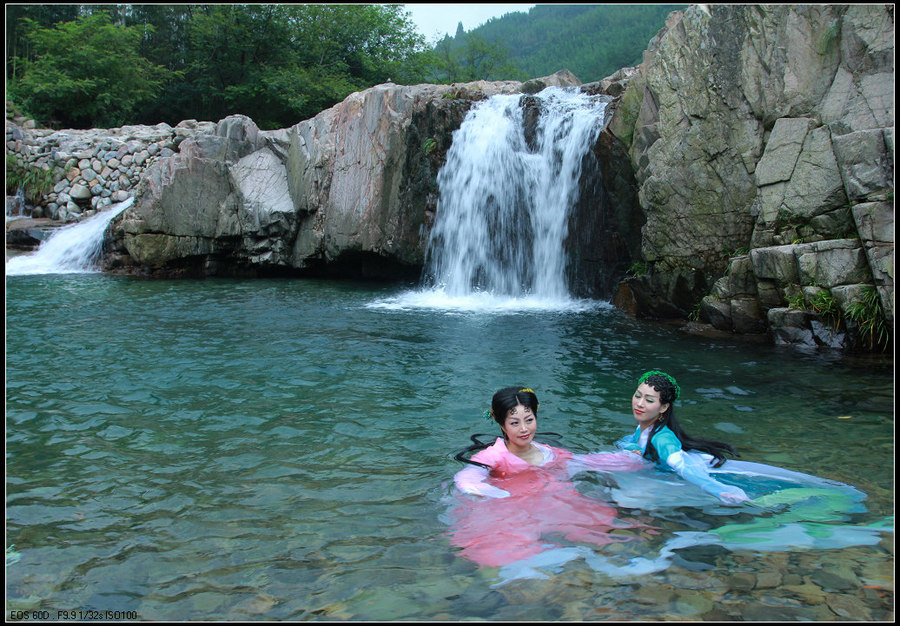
762	142
349	192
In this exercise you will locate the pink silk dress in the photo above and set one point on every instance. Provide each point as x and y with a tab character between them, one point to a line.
523	507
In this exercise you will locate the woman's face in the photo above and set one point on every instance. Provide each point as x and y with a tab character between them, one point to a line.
519	427
646	406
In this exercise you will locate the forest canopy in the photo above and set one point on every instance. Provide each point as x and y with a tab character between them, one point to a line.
590	40
79	66
277	63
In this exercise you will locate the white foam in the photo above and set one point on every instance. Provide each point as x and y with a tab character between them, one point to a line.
483	302
73	249
504	202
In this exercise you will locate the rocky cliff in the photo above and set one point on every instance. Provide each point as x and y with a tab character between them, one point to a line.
762	141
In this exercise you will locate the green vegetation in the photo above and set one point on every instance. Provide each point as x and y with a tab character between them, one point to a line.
35	182
83	71
470	57
638	268
590	40
867	314
280	63
824	304
80	66
697	309
796	300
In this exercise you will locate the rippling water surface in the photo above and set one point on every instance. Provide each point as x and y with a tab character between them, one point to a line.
284	450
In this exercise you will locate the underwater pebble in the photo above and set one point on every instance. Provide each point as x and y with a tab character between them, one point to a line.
846	605
832	581
690	604
807	592
742	581
658	596
768	580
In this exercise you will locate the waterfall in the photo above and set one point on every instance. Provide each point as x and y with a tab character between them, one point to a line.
16	210
505	200
71	249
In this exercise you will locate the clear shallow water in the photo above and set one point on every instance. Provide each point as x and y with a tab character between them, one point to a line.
283	450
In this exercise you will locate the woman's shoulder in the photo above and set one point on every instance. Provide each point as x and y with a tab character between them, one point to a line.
665	434
492	453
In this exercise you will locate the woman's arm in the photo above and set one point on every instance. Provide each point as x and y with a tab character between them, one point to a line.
609	461
473	480
694	469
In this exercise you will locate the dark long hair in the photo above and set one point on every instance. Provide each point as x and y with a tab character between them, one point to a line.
668	393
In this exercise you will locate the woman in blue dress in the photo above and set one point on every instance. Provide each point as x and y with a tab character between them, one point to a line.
785	509
661	439
781	509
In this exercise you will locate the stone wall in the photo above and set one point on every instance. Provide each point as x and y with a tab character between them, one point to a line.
96	167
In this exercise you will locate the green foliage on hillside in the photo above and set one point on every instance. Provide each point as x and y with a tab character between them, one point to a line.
468	58
590	40
107	65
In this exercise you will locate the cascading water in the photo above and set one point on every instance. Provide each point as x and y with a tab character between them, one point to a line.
15	210
72	249
504	205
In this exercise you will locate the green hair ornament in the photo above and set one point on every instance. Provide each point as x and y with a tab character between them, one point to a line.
671	379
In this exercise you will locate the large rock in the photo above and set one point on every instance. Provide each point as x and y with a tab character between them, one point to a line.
875	224
349	191
765	129
268	216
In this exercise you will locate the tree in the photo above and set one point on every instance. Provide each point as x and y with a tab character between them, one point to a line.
18	22
277	63
280	64
85	73
591	40
469	58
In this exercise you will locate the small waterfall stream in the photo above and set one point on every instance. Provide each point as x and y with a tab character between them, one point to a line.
507	191
504	202
16	209
71	249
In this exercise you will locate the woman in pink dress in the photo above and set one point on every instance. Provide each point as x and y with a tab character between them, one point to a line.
521	498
